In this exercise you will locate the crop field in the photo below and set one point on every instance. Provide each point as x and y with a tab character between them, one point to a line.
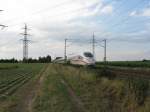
72	89
126	63
12	78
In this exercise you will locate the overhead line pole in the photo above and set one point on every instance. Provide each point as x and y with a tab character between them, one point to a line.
93	45
65	51
105	48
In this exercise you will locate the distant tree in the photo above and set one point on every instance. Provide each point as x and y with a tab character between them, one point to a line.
48	58
30	60
40	60
144	60
13	60
25	60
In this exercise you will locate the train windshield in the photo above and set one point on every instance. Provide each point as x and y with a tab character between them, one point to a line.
87	54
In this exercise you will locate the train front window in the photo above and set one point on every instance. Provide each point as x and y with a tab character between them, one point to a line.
88	54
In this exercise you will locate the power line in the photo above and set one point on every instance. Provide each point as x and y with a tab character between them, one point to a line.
135	28
94	41
63	13
125	19
73	11
3	26
104	46
66	41
53	7
40	11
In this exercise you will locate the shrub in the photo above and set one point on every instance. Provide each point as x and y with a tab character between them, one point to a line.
104	72
140	88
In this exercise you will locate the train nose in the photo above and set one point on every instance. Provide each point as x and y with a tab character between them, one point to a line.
90	61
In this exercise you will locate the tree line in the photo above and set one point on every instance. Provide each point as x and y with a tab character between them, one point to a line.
46	59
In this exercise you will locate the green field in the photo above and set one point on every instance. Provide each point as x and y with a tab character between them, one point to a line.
12	78
126	63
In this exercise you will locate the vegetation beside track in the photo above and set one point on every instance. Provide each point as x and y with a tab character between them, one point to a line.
95	89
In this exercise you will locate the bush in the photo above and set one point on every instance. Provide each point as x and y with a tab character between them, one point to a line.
104	72
140	88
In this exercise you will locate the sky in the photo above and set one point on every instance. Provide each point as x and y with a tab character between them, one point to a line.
124	23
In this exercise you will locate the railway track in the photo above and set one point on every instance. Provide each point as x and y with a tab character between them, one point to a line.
129	75
128	72
121	72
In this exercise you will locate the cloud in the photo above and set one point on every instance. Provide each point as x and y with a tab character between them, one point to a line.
127	55
133	13
141	37
145	12
107	9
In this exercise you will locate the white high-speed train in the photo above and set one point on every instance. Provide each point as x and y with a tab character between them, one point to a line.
85	58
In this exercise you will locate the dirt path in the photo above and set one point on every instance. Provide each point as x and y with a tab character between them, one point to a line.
78	105
25	105
30	94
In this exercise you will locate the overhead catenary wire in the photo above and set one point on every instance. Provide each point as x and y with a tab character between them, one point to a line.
3	26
